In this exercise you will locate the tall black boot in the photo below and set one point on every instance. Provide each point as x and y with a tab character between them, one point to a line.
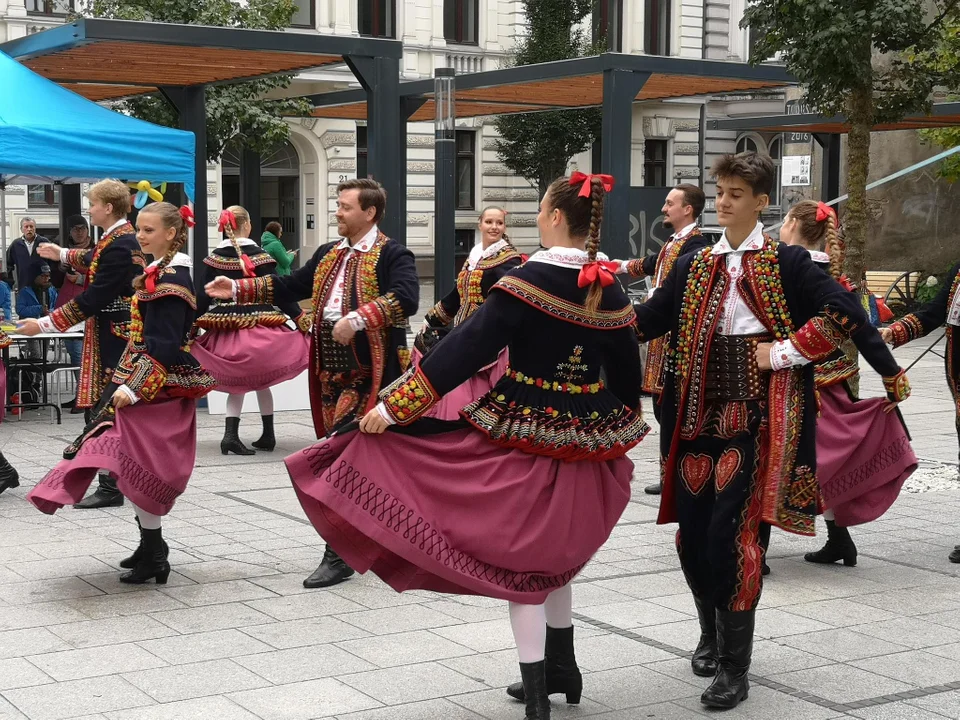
231	439
563	675
764	538
267	440
152	563
106	494
534	678
839	546
9	477
704	661
735	647
131	561
331	571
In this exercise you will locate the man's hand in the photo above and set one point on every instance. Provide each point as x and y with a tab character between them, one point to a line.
120	399
343	332
220	287
887	335
373	423
29	327
763	356
49	251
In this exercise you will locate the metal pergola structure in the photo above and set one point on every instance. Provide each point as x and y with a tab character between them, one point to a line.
111	59
613	81
828	130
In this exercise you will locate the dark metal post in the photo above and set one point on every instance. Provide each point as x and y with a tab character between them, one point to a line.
830	172
445	205
384	140
620	88
70	204
250	190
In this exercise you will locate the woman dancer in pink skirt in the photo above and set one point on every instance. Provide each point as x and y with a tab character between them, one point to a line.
9	477
144	431
513	505
863	448
489	260
247	348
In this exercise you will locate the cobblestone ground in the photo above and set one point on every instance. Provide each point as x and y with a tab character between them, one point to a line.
234	636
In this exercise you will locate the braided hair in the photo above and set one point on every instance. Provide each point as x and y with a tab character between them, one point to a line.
584	215
242	218
820	234
170	217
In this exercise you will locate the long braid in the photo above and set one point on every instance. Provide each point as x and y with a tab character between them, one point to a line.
834	247
241	217
171	218
592	245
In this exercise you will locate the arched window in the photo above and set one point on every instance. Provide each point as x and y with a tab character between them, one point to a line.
747	143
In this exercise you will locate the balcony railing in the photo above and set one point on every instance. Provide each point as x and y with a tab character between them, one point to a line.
465	62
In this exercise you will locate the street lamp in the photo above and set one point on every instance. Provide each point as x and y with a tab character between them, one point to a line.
445	159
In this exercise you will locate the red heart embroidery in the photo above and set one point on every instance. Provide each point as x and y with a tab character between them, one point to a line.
728	466
695	471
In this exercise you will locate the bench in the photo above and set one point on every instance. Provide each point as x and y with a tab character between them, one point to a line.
881	281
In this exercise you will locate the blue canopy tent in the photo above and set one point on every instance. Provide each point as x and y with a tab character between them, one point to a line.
51	135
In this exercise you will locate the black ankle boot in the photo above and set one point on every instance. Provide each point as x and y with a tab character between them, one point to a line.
534	678
734	649
152	562
268	440
704	661
839	546
9	477
331	571
563	675
106	495
130	562
231	439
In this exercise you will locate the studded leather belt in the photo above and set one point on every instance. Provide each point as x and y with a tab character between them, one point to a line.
732	370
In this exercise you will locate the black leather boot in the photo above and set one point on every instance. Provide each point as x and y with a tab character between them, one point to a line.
331	571
231	439
131	561
267	440
839	546
152	563
954	556
9	477
653	489
534	678
704	661
563	675
730	687
106	495
764	538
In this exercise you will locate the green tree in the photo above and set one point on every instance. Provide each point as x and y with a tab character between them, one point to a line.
945	58
538	146
858	58
236	114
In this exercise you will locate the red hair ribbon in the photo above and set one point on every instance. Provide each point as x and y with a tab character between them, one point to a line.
151	278
824	211
847	285
226	218
604	271
248	268
187	214
586	180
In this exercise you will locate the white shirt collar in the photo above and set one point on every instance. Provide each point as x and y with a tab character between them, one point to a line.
818	256
564	257
754	241
113	227
366	242
240	241
179	260
686	231
478	253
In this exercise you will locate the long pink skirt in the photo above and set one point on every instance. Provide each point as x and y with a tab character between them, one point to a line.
476	387
863	456
254	358
151	451
454	513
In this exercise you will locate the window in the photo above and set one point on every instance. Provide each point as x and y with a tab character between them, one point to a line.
378	18
655	163
603	12
466	166
776	153
656	24
361	151
41	196
460	21
50	7
303	15
747	144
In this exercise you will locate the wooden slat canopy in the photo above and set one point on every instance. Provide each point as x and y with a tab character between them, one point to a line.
98	92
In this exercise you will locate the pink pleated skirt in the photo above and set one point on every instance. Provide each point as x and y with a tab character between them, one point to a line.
476	387
254	358
151	450
863	456
453	513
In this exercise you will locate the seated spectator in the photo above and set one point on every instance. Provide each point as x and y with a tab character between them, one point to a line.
36	300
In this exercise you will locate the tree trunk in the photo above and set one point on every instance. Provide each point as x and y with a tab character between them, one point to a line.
858	168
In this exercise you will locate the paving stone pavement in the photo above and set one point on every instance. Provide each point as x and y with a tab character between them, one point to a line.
234	635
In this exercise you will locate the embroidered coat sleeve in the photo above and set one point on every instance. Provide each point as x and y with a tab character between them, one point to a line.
280	290
77	258
459	355
116	270
290	308
642	267
929	317
657	315
624	371
399	287
145	373
442	314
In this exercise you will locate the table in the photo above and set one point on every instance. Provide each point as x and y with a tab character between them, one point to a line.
43	363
